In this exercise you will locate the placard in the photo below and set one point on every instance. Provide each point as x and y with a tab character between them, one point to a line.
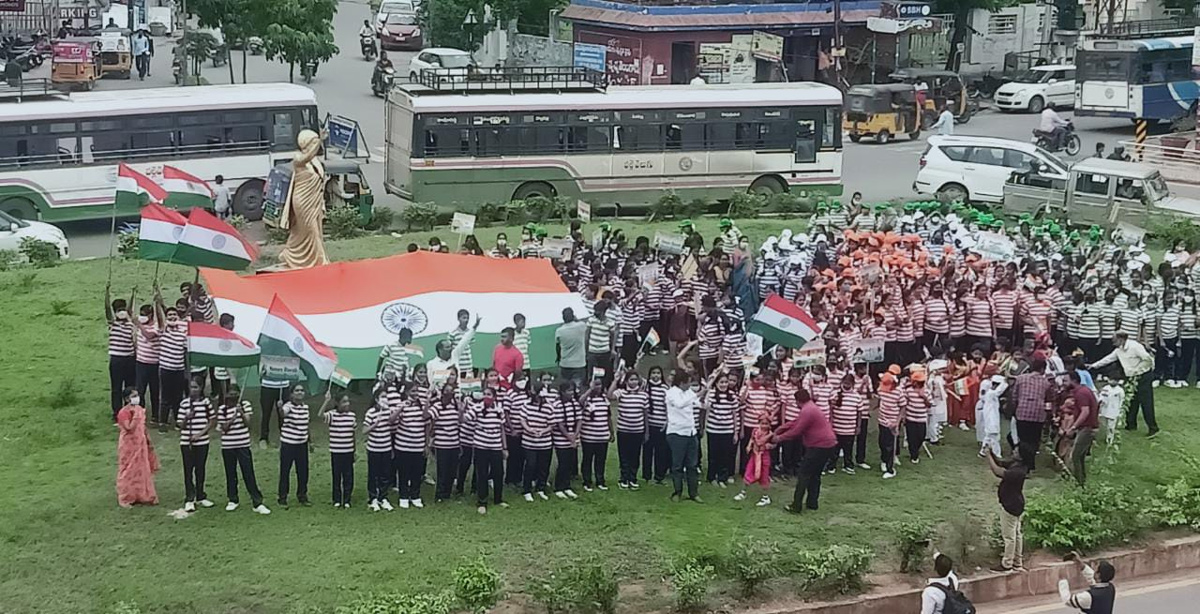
583	211
866	350
993	246
1129	234
590	56
597	240
285	368
462	223
669	243
767	46
811	355
557	249
648	274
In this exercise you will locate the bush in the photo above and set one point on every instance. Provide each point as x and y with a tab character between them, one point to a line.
1177	504
695	208
9	259
788	202
1172	229
691	580
752	563
127	244
490	213
746	204
1060	523
583	587
343	222
276	235
66	395
238	222
539	209
394	603
836	570
382	218
419	215
912	538
476	585
667	207
60	307
41	254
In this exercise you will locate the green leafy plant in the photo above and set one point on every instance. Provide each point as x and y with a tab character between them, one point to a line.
490	213
401	603
538	209
836	570
476	585
746	204
1170	230
667	207
912	539
589	586
1177	503
60	307
276	235
382	218
238	222
41	254
343	222
751	563
127	244
691	580
66	395
9	259
1060	523
419	215
695	208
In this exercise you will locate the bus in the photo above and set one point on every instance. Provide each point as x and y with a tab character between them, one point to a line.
59	155
614	146
1147	79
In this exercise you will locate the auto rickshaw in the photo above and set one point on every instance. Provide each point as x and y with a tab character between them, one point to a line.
116	53
345	185
935	88
75	62
882	112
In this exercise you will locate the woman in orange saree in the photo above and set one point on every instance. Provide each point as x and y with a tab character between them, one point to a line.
136	461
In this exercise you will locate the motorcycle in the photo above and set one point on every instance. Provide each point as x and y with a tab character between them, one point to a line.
367	43
308	70
382	82
255	44
1070	140
177	71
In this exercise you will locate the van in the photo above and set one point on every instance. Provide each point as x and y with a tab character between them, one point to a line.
974	168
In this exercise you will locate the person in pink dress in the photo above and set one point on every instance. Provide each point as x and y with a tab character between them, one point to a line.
136	461
758	464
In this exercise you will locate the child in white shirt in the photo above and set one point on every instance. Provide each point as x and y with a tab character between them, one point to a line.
1112	399
987	414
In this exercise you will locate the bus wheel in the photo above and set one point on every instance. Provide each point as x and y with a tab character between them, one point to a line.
247	201
768	186
534	189
20	208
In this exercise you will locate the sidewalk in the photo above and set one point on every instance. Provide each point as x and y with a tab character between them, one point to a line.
1174	593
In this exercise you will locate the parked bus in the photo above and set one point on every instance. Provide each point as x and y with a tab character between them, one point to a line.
619	146
59	156
1140	79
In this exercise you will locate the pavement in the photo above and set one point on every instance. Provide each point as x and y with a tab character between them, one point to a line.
880	172
1176	593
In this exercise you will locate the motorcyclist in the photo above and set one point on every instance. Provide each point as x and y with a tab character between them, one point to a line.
381	65
1054	126
366	29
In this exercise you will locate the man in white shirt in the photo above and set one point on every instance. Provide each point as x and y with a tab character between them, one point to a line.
221	198
945	122
681	403
446	362
933	598
1137	364
1055	126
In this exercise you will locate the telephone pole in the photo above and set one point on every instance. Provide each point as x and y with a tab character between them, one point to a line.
837	43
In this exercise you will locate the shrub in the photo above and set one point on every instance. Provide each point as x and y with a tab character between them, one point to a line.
695	208
60	307
382	218
127	244
66	395
667	207
419	215
476	585
9	259
1061	523
1173	229
41	254
1177	504
691	580
276	235
746	204
836	570
912	538
490	213
582	587
752	563
238	222
401	603
539	209
343	222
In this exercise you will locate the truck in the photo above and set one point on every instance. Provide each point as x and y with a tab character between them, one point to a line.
1097	191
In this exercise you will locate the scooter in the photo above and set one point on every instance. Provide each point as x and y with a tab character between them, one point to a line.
1070	141
382	83
367	43
255	44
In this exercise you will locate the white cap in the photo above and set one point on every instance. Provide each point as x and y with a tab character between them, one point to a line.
820	239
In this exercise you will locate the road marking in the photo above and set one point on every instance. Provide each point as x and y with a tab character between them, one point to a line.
1058	607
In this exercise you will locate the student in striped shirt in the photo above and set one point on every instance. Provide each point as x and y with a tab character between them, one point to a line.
847	404
632	402
656	457
891	408
916	414
293	446
172	358
445	415
720	424
146	333
487	418
233	423
1167	362
537	416
342	424
601	339
466	362
395	357
568	418
195	420
521	338
1189	336
377	425
408	447
757	400
122	364
595	433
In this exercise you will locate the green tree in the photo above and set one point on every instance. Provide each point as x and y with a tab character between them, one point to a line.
462	24
237	19
961	9
197	47
297	31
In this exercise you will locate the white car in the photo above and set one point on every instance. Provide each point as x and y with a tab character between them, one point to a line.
393	6
1038	88
974	168
438	57
13	230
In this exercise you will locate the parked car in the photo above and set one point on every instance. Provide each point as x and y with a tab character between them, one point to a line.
1038	88
390	7
401	31
439	57
13	230
973	168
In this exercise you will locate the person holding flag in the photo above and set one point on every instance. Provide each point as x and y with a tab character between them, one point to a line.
233	423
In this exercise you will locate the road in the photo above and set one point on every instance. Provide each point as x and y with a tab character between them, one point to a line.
1173	594
342	85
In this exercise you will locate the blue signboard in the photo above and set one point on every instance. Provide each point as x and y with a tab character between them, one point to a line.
589	56
913	10
343	135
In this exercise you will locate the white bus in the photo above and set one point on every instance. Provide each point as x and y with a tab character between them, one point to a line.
621	146
1149	78
59	156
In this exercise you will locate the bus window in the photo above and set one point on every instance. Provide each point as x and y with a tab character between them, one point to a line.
832	128
489	142
689	137
806	141
775	135
68	149
152	143
244	135
588	138
539	139
284	133
640	137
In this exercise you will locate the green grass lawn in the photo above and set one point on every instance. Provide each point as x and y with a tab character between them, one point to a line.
65	546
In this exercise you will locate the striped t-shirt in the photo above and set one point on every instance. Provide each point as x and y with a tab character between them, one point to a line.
538	418
1168	322
192	421
1088	324
521	342
631	410
235	433
937	316
657	416
466	362
172	346
293	428
980	317
733	350
395	358
595	425
891	403
409	433
722	413
379	432
445	425
147	344
709	337
599	335
489	426
844	414
759	401
120	338
341	431
567	415
916	404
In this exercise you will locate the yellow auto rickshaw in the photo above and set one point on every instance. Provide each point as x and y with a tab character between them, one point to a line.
75	62
936	88
882	112
116	53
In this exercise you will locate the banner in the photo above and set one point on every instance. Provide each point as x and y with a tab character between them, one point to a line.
993	246
811	355
669	243
557	249
462	224
765	46
866	350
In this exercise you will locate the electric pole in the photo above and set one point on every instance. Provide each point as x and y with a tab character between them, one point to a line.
837	43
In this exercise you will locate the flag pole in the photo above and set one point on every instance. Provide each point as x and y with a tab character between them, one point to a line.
112	236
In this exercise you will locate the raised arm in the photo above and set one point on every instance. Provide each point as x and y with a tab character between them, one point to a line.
108	313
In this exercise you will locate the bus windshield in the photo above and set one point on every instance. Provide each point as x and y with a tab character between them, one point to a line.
1103	66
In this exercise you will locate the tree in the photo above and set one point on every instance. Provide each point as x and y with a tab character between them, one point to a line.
462	24
197	47
298	31
237	19
961	9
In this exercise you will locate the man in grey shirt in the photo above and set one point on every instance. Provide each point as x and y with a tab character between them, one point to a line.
569	347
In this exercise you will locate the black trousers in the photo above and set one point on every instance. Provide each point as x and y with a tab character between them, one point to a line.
790	455
568	463
808	481
516	461
1167	359
931	341
860	442
1187	357
1030	433
629	454
595	457
466	456
1143	398
447	470
235	458
656	458
146	376
722	454
411	467
379	474
846	446
174	387
537	470
915	433
268	398
489	464
685	461
630	344
604	360
195	458
293	454
343	476
122	374
887	448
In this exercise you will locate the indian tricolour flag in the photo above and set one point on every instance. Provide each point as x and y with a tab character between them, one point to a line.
135	190
209	242
185	191
289	350
159	232
359	307
210	345
784	323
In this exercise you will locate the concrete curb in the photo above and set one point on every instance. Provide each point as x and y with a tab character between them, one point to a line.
1170	555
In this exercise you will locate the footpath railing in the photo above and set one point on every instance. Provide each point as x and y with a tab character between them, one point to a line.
1174	155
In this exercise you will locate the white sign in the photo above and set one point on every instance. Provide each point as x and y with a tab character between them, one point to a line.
648	274
669	243
993	246
812	354
866	350
462	223
767	46
713	62
597	240
557	249
887	25
1196	47
741	61
584	211
1130	234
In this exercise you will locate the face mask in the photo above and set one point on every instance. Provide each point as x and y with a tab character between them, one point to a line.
135	400
477	395
521	384
501	242
143	319
1189	299
122	315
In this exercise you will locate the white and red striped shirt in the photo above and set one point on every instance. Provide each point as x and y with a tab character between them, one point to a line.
916	404
980	317
120	338
147	344
891	404
937	316
538	420
445	418
1004	304
596	425
631	410
757	402
847	404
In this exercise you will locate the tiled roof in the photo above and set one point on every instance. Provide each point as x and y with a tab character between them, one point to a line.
714	17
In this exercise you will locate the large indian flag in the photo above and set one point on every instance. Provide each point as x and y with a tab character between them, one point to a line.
359	307
784	323
210	345
289	351
135	190
159	232
185	191
209	242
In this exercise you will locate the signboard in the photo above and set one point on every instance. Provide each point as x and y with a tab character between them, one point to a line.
993	246
583	211
648	274
811	355
765	46
462	223
741	59
286	368
712	63
12	6
669	243
871	273
72	12
588	55
557	249
1196	47
866	350
623	61
1129	234
913	10
597	240
345	137
279	182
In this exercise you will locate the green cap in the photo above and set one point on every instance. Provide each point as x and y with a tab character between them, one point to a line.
997	224
605	226
685	224
725	222
540	233
822	206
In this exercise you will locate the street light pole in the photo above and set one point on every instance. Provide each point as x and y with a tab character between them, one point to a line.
837	42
